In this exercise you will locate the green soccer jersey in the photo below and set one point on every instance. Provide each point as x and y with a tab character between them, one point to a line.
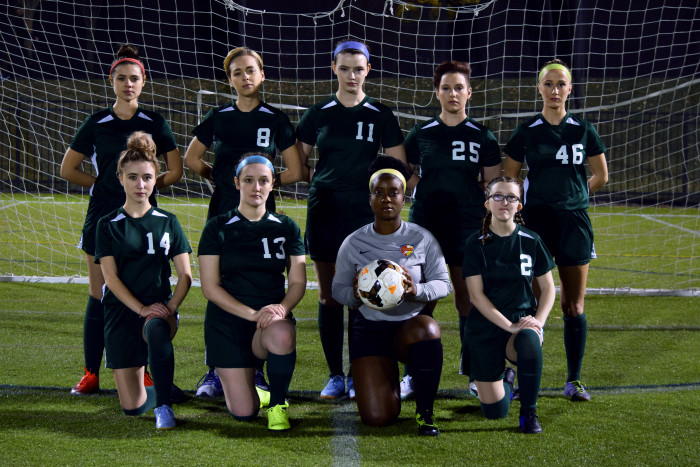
252	255
102	137
142	248
554	155
507	266
348	139
235	133
451	159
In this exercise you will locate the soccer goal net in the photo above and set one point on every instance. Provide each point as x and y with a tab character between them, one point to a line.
635	77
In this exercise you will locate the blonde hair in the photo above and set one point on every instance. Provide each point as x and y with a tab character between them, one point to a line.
240	52
139	147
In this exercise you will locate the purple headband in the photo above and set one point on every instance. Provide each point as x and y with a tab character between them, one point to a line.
351	45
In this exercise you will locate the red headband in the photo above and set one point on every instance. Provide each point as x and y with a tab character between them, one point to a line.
132	60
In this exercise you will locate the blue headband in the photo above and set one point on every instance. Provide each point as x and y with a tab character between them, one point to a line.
351	45
254	160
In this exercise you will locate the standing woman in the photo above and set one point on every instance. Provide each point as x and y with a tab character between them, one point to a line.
348	130
248	124
378	340
100	139
555	144
134	247
243	255
455	155
500	263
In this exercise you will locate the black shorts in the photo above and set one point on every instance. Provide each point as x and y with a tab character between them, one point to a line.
567	234
332	216
451	229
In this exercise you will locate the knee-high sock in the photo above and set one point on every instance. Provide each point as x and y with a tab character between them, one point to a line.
94	335
498	409
425	364
161	358
331	328
575	330
148	405
527	345
280	369
465	362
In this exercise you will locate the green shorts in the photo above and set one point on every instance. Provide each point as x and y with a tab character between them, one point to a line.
568	235
228	339
487	345
332	216
124	344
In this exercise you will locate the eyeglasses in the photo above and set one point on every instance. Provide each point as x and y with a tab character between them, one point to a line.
497	197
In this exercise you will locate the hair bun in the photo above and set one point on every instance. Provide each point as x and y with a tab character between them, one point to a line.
140	141
127	51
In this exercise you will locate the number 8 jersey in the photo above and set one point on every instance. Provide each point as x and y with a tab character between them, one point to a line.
554	155
252	255
142	249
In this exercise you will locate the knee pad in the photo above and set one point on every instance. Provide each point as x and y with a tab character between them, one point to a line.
497	409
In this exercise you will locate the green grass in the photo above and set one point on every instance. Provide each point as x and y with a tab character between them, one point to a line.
641	367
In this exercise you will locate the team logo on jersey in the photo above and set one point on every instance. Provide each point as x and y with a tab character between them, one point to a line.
407	250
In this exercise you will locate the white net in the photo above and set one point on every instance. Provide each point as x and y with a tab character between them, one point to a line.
635	71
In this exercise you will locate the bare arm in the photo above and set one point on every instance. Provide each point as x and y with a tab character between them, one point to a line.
194	159
292	160
210	277
296	282
304	153
512	168
174	170
184	281
599	172
397	152
71	171
489	173
117	287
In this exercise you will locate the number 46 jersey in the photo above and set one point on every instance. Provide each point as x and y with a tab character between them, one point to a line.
252	255
142	249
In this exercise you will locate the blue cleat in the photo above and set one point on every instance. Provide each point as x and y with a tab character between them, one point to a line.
165	418
209	385
335	387
576	391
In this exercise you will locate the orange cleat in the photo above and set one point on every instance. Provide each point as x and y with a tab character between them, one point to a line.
147	380
88	384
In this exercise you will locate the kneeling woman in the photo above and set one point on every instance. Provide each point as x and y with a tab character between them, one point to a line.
134	247
499	265
378	340
242	258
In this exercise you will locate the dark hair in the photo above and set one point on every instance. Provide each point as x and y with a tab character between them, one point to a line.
451	67
129	52
485	234
139	147
386	162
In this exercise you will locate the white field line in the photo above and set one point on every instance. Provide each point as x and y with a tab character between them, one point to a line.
653	219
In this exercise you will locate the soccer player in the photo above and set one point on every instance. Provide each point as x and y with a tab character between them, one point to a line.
242	258
455	155
134	247
500	263
348	130
248	124
100	139
379	340
555	145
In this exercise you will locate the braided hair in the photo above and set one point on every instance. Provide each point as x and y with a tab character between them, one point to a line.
486	235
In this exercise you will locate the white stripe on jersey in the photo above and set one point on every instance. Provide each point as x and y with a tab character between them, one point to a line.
520	232
470	124
233	219
329	105
158	214
144	116
266	110
119	217
537	122
430	125
108	118
572	121
370	106
227	109
273	218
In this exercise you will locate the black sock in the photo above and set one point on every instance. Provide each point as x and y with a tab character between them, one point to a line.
94	335
465	362
280	369
161	358
575	330
527	345
425	363
331	328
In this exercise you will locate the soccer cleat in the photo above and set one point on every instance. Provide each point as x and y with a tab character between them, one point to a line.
516	393
351	388
406	387
147	380
165	418
509	378
277	418
209	385
426	426
529	424
473	389
264	397
88	384
576	391
335	387
260	382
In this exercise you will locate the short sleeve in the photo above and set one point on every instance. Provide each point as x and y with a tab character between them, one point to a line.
543	261
515	148
284	137
594	145
473	262
412	148
211	241
165	140
103	241
392	136
493	151
205	130
84	139
306	129
179	243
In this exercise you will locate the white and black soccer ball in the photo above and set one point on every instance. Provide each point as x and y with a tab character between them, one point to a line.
381	285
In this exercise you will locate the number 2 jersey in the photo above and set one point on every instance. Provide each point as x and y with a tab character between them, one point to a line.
142	249
554	155
507	266
252	254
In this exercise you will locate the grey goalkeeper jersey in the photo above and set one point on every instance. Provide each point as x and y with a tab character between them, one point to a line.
413	247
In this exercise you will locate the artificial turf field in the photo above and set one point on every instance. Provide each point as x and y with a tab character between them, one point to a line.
641	367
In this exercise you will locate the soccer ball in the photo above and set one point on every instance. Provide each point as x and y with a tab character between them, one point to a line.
381	285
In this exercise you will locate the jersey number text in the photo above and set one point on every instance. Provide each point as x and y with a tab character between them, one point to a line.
263	137
278	255
563	154
164	243
458	151
525	265
359	131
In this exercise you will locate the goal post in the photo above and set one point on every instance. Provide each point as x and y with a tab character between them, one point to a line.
635	77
